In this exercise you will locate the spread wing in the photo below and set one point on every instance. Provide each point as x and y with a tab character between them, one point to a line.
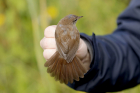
67	42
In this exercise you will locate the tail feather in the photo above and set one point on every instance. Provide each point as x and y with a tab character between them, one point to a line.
51	68
78	70
75	73
65	74
57	70
63	71
69	72
61	76
53	73
80	65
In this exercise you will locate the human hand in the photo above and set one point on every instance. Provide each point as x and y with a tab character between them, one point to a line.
49	46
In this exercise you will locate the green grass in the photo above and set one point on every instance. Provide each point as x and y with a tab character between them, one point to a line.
22	24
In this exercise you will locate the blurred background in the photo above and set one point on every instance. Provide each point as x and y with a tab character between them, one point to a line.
22	24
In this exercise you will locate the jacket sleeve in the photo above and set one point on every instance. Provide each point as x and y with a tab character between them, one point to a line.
116	57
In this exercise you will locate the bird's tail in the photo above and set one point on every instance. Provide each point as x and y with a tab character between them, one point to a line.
63	71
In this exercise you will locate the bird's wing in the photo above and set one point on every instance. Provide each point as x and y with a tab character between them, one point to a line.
62	40
73	45
67	44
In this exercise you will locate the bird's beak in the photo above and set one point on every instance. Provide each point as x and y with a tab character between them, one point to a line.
79	17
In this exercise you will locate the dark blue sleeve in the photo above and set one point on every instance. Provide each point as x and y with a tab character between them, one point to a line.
116	61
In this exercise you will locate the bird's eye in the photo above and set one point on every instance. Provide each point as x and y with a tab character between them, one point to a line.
75	20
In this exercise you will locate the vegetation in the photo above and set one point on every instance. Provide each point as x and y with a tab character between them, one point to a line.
22	24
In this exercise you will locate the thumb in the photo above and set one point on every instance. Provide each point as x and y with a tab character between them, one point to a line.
82	50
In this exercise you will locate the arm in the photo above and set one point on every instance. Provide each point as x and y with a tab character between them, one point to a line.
116	62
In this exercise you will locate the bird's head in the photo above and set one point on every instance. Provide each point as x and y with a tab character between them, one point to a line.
70	19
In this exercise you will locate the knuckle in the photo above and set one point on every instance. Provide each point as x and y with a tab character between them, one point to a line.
41	42
49	31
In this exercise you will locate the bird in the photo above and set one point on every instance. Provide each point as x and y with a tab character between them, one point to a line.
64	65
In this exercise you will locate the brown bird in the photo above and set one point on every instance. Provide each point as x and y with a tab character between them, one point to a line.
64	65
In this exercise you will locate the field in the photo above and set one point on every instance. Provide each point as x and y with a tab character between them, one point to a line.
22	24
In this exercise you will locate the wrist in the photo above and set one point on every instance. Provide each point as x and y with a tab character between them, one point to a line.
87	61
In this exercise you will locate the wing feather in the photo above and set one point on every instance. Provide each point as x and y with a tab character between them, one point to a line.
67	41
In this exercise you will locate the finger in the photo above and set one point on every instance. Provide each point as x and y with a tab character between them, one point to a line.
42	42
50	31
82	50
48	43
48	53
